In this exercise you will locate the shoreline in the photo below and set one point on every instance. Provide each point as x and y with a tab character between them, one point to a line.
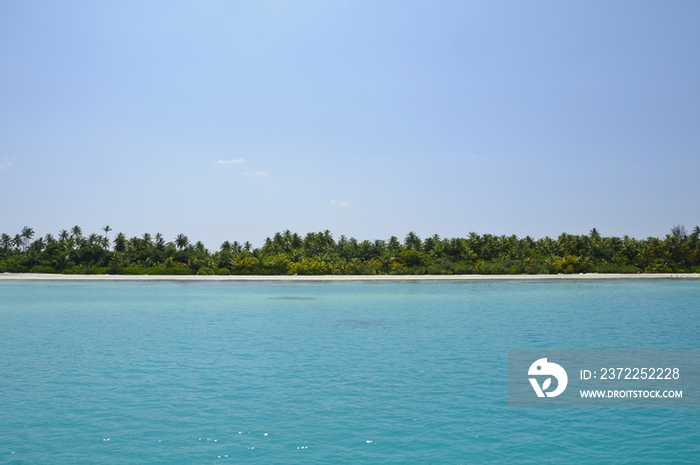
287	278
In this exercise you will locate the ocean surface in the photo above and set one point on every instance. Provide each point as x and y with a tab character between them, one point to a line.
352	372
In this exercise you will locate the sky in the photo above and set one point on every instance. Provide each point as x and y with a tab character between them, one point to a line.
236	120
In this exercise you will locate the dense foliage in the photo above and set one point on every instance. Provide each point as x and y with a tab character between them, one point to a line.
318	253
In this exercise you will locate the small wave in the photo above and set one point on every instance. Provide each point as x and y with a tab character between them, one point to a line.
353	323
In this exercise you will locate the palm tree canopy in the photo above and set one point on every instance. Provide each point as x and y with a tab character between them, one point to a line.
27	232
181	241
120	243
318	253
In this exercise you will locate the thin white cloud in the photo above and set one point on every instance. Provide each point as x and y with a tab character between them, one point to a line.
340	204
230	162
255	173
7	163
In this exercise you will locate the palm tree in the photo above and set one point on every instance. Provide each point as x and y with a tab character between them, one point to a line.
6	241
429	245
76	232
106	229
117	263
135	244
296	241
17	241
27	233
412	241
63	235
159	241
327	238
394	245
679	232
39	243
379	247
181	241
62	261
120	243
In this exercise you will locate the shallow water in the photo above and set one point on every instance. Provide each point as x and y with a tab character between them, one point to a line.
264	372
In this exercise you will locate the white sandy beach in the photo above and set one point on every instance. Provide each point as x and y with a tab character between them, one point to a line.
469	277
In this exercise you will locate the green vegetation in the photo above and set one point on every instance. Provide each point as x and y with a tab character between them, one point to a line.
318	253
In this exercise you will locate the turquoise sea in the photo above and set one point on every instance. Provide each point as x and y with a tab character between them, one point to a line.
313	372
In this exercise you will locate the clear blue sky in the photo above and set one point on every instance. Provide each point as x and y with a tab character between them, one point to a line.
369	119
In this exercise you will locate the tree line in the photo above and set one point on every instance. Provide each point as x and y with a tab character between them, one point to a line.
72	252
